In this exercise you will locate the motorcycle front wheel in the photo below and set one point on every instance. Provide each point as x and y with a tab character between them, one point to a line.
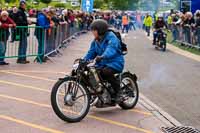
70	100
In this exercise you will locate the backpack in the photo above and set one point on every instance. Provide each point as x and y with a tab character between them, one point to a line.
124	49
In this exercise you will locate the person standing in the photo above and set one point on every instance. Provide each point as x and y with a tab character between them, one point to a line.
44	23
125	23
22	32
13	16
5	23
197	25
169	21
188	24
148	21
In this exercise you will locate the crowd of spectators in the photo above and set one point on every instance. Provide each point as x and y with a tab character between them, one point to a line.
185	26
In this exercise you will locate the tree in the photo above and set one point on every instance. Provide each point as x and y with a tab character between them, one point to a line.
117	4
7	1
46	1
98	3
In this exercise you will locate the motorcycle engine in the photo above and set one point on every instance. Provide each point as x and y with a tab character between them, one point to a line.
94	80
104	99
106	96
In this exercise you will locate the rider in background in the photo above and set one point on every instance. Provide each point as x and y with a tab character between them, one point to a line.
159	24
106	50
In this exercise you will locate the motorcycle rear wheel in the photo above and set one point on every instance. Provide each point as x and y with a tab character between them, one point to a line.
131	102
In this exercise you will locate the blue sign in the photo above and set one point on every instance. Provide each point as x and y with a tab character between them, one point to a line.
87	5
195	5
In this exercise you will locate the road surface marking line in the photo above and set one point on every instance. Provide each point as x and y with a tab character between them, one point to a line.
17	71
89	116
24	100
141	112
120	124
24	86
29	124
28	76
39	89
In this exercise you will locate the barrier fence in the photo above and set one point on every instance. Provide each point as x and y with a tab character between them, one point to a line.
187	35
35	41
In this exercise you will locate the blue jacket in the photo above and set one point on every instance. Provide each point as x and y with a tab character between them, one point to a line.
110	49
43	21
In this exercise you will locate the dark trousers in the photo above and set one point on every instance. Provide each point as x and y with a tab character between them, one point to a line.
175	33
13	34
186	31
108	74
148	28
198	36
22	45
2	50
125	27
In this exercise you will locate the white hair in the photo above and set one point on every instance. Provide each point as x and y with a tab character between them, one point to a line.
4	13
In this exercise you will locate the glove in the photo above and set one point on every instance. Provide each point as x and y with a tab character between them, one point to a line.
98	58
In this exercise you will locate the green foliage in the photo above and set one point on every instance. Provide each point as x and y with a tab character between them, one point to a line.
46	1
8	1
116	4
60	5
97	3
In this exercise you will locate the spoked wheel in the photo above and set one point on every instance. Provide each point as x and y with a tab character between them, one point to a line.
164	46
131	87
70	100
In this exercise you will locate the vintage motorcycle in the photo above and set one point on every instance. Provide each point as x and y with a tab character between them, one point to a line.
161	41
72	96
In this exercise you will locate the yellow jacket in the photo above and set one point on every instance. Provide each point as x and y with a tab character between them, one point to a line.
169	20
148	21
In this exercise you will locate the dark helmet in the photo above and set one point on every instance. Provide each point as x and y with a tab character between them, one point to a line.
100	25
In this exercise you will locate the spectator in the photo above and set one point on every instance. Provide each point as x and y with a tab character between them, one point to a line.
132	21
174	27
43	21
65	17
55	22
125	23
14	17
49	33
139	20
23	33
197	25
148	21
187	24
89	21
169	21
5	23
71	21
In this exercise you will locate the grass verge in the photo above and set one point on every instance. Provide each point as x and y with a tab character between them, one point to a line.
182	46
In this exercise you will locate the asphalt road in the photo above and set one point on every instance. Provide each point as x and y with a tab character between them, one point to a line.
170	80
25	100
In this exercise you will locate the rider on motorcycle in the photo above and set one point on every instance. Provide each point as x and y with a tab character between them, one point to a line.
159	24
106	50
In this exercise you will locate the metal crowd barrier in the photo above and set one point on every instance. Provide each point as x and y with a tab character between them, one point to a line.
35	41
57	37
186	35
21	42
